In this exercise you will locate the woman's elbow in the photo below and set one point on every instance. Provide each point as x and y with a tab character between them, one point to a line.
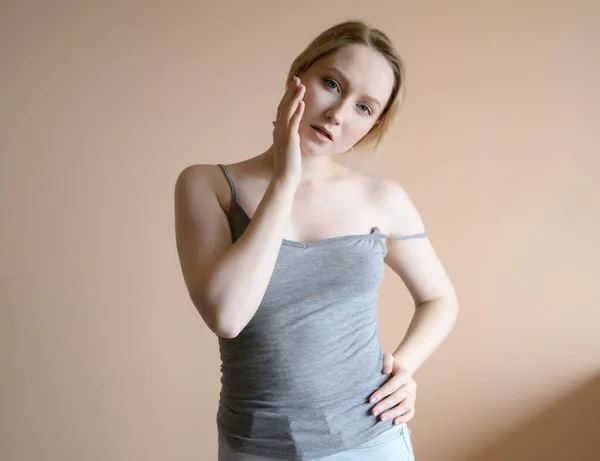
214	318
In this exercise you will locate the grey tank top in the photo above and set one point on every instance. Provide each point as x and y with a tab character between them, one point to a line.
296	381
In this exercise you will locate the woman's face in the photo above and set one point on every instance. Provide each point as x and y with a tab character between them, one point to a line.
346	93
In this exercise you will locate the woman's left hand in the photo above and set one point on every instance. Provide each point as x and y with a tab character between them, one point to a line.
398	393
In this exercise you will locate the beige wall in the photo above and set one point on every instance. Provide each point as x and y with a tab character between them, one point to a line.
103	356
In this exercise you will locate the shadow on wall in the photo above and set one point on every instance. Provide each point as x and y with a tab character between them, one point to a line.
568	431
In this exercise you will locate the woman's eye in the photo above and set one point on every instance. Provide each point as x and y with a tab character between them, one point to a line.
366	109
331	84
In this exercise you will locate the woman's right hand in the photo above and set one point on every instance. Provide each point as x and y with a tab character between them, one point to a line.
286	139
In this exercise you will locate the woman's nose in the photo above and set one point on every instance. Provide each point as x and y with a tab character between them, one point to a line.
335	114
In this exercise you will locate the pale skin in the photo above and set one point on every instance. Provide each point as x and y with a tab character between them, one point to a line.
294	190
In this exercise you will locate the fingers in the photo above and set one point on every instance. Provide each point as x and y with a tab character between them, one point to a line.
406	417
392	399
396	408
289	103
297	116
293	107
290	91
392	385
388	363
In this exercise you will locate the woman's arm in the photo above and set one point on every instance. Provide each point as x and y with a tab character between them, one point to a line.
226	281
417	264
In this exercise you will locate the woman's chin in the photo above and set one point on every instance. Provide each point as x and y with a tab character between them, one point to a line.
314	150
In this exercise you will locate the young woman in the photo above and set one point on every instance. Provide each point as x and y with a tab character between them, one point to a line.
282	255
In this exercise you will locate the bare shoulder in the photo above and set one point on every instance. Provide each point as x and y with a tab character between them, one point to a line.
200	181
196	176
398	209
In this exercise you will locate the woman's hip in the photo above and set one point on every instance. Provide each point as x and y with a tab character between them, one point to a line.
392	445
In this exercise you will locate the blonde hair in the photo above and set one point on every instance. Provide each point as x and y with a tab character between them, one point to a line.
359	33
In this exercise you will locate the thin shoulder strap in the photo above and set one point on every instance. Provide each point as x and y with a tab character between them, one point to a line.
231	183
406	237
401	236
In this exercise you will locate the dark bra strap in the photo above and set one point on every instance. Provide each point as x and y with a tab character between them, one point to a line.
231	183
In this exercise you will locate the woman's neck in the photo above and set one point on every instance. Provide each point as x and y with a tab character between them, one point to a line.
314	169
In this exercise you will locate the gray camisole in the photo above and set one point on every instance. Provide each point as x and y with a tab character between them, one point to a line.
296	381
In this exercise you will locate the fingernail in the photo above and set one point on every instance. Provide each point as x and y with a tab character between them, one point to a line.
373	399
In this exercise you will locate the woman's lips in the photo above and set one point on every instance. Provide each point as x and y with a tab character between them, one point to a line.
320	134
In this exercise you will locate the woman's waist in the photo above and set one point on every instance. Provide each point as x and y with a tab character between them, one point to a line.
253	352
280	383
